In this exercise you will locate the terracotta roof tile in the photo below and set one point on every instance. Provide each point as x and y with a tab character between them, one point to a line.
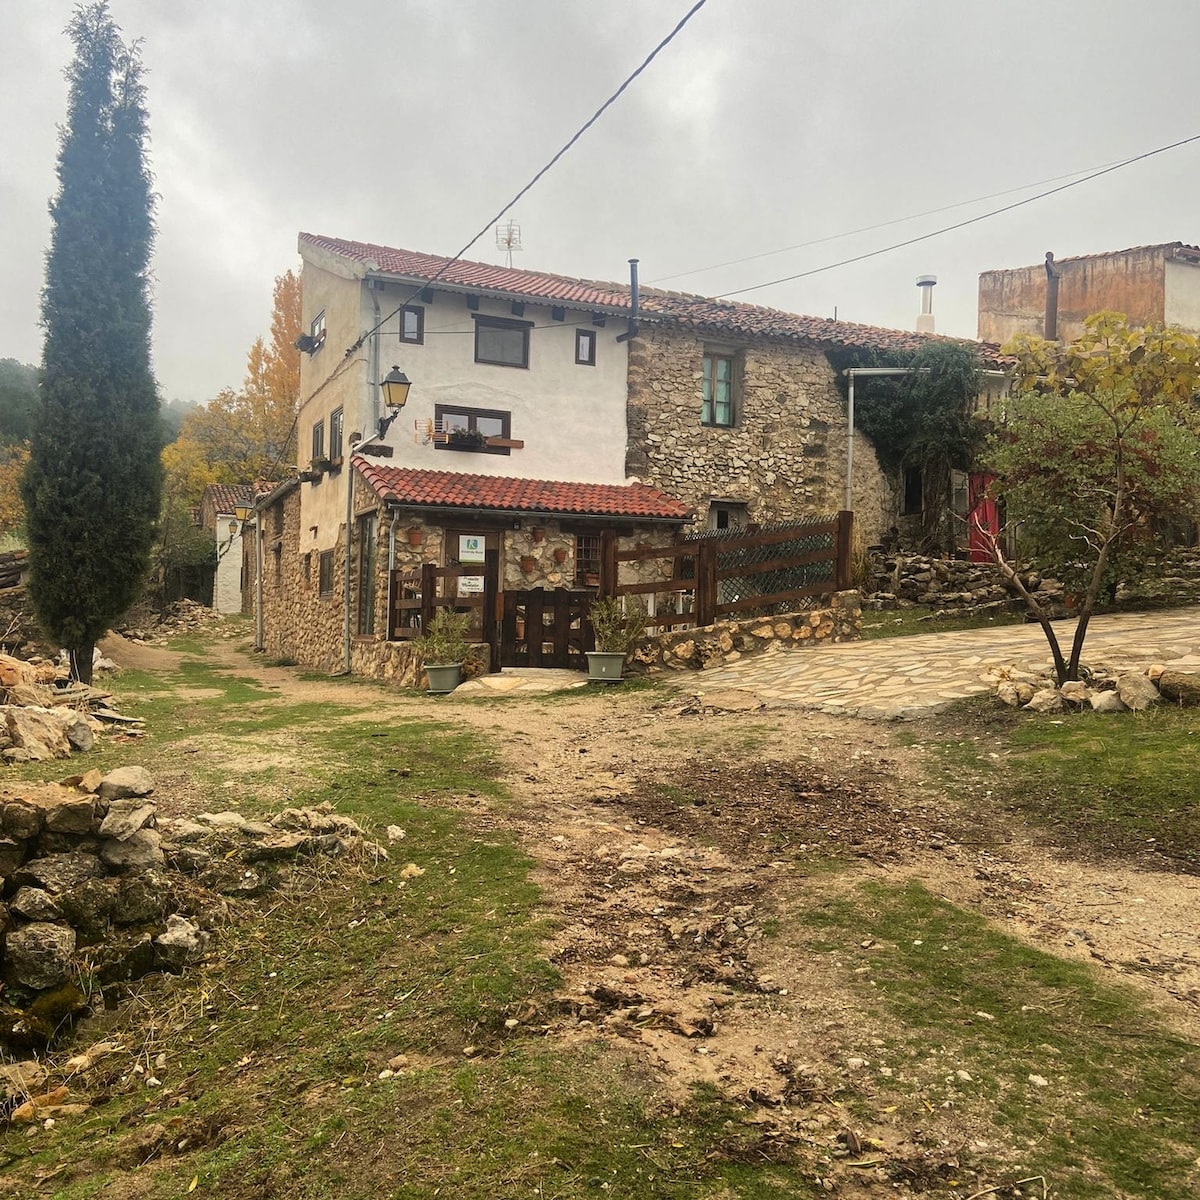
452	489
226	497
729	317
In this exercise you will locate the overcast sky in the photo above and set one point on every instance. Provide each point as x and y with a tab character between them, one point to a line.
766	123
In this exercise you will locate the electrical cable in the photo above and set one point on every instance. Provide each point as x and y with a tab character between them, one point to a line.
833	237
924	237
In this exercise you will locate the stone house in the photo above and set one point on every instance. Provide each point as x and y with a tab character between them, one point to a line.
218	514
543	410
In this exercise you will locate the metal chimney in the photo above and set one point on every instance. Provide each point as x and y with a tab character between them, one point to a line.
925	321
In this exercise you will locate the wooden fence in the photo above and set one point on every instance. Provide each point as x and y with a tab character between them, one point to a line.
706	578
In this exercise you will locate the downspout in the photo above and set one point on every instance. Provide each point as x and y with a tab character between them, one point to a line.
632	330
372	384
848	502
258	580
1050	327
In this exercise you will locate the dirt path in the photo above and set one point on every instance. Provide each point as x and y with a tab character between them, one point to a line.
671	849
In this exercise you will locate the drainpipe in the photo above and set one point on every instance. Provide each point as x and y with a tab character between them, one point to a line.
632	330
258	580
1050	327
372	385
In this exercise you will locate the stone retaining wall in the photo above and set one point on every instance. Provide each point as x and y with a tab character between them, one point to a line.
726	641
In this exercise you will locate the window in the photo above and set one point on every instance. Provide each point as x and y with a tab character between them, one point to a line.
337	421
316	331
724	514
469	428
914	492
325	573
366	572
718	389
277	520
412	325
585	347
587	559
502	343
318	441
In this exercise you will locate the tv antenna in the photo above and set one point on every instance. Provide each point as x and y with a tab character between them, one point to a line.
508	239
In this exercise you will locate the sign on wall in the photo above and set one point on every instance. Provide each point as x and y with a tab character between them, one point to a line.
471	549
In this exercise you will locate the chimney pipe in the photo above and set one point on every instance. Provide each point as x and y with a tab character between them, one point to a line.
634	300
925	321
1050	328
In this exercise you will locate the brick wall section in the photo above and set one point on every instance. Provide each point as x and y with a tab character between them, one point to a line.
785	457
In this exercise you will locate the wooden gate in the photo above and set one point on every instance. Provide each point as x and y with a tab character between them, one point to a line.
540	628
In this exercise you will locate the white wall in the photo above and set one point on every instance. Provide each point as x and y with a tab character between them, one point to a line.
1181	303
570	417
227	586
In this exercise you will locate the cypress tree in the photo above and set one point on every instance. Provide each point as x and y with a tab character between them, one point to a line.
93	485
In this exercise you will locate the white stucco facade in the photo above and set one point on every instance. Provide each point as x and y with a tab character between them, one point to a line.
227	583
570	416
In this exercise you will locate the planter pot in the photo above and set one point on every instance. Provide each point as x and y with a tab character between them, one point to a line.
539	533
528	564
416	537
560	555
604	666
443	677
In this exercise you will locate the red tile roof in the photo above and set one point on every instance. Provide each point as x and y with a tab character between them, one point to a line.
226	497
451	489
728	317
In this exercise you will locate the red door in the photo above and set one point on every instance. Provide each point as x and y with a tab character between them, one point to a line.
983	521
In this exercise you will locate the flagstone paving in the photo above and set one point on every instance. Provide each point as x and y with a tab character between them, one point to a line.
903	677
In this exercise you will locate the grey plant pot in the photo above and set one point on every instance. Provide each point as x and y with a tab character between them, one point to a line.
604	666
443	677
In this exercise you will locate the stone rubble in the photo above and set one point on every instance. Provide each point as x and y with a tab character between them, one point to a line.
98	890
1103	690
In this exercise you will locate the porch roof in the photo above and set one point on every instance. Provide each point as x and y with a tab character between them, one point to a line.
453	489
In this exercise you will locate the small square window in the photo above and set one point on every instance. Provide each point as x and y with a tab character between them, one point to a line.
412	325
724	514
325	573
587	559
318	441
585	347
502	343
337	422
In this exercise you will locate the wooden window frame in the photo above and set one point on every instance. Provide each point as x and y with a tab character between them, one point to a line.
473	414
414	310
325	574
316	331
368	565
587	558
709	409
337	430
318	441
505	324
585	347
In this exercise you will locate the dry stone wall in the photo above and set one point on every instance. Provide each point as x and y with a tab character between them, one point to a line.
784	457
840	620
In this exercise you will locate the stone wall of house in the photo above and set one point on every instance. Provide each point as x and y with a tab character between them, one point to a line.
839	620
785	456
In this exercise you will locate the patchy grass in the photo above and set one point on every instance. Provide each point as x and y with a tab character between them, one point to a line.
904	622
1117	1114
1117	785
270	1085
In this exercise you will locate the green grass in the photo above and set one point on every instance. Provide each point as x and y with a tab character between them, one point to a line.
1122	1094
1117	784
904	622
275	1044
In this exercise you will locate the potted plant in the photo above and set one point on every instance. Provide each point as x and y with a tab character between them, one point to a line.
444	648
467	439
618	631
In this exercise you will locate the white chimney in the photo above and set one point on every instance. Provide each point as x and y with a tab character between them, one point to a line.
925	320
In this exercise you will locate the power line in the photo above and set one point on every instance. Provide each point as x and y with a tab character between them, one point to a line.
924	237
833	237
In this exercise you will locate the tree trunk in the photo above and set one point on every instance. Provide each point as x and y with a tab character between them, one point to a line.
81	661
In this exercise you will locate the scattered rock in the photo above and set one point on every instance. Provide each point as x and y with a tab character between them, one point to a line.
1137	691
39	955
125	817
1108	702
140	851
1047	700
181	943
125	782
1181	686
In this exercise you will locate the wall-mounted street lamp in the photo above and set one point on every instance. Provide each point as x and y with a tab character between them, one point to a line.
395	387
